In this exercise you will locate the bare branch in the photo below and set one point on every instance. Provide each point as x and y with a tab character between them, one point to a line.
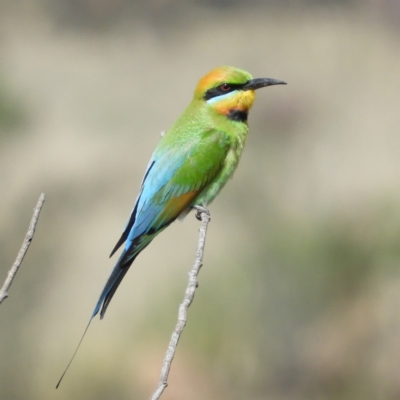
25	245
204	216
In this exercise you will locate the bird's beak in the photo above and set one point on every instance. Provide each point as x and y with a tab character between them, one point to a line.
258	83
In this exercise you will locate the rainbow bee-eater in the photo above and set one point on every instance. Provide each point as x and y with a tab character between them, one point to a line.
190	165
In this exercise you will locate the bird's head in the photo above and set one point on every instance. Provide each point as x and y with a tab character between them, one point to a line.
231	91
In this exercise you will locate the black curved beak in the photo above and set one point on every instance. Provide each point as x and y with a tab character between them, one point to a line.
258	83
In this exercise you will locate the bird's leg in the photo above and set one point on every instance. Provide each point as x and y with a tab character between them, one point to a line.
199	210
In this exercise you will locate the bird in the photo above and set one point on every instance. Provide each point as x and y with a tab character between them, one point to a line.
190	165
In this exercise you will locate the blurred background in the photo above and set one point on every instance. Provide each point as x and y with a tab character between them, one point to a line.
299	295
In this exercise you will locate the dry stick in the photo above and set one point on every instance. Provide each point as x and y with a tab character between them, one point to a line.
204	216
25	245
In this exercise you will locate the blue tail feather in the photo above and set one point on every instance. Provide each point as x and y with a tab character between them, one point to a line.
111	286
117	274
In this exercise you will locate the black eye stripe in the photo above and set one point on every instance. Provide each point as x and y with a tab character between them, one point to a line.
218	91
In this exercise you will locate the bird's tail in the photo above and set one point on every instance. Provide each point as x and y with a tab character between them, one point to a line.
120	269
126	259
117	274
112	284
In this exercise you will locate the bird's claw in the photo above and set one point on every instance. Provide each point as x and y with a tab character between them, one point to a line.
200	210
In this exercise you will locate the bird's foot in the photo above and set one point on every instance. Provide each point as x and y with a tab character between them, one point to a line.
199	210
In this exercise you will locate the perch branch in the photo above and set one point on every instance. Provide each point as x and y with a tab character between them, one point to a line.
204	216
25	245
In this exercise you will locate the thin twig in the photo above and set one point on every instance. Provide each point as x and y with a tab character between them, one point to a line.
25	245
204	216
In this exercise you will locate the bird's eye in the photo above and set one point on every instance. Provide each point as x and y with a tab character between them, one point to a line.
225	87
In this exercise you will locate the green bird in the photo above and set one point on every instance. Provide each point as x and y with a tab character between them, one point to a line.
190	165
